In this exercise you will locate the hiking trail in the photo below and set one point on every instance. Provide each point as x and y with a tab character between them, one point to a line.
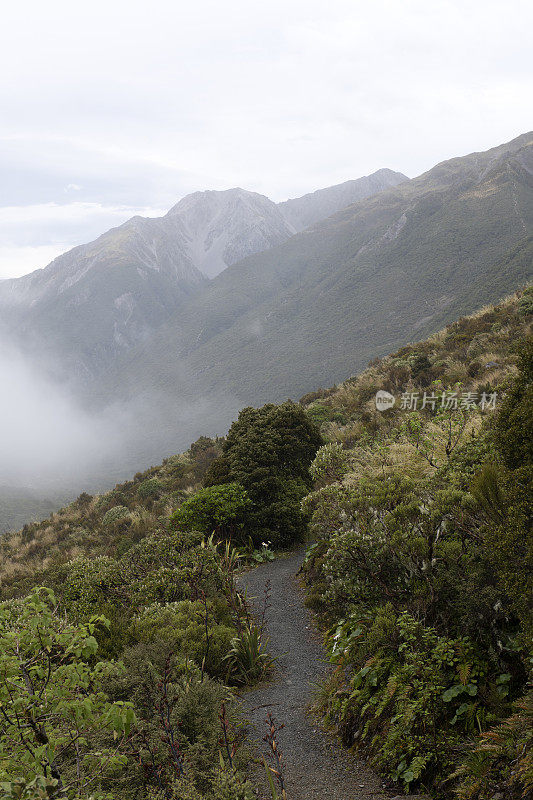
316	767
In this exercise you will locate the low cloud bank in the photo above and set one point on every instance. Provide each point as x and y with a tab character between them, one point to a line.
49	443
44	438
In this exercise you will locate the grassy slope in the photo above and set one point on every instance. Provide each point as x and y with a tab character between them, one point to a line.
344	410
477	351
79	529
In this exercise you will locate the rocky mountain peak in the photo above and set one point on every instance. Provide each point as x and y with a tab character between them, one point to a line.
223	227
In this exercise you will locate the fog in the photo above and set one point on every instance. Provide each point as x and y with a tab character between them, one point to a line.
44	437
48	443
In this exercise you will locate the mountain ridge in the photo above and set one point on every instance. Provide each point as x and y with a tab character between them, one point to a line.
113	293
463	226
303	212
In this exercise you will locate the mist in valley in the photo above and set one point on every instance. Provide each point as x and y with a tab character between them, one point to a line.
52	446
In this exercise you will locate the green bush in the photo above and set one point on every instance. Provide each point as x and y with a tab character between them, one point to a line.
52	684
180	628
115	514
268	451
501	762
413	695
427	585
151	488
215	509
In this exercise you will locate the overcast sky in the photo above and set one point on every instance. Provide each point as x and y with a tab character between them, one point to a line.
114	108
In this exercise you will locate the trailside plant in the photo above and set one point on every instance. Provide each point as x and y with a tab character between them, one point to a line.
424	577
247	658
264	554
274	772
56	722
219	510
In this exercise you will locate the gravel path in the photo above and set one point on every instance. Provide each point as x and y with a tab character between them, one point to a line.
316	766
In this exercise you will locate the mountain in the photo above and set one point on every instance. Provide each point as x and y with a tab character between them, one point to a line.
376	275
100	299
382	272
302	212
222	228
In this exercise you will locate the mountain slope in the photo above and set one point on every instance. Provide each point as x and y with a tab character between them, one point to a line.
302	212
376	275
98	300
486	339
103	297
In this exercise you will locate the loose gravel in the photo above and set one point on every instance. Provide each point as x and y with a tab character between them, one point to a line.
316	765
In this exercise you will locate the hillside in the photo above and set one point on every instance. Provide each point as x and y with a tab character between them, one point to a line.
382	272
98	300
422	562
419	564
478	351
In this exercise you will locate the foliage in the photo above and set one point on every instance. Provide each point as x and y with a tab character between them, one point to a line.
51	700
424	579
39	788
330	464
180	627
264	554
247	658
268	451
152	487
414	696
501	763
215	509
514	428
436	435
274	773
115	514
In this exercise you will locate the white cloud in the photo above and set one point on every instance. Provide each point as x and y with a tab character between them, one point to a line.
18	260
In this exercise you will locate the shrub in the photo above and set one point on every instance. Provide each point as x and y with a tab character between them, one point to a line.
188	629
500	764
150	489
268	451
514	424
330	463
412	695
215	509
52	685
115	514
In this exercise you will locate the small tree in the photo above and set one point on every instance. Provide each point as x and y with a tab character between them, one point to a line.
54	717
268	451
440	430
215	509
